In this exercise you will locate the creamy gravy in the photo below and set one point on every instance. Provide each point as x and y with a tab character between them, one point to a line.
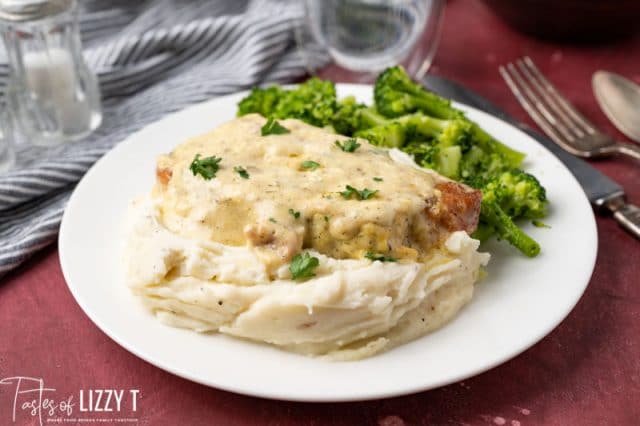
261	210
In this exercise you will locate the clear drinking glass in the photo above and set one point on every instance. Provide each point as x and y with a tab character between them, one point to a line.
52	94
363	37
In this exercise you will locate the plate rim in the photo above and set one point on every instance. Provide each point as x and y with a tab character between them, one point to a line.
278	395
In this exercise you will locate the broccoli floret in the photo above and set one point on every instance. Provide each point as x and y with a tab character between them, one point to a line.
380	130
444	159
396	94
389	135
493	218
519	194
450	137
454	132
457	133
417	125
507	196
423	153
477	165
313	102
444	140
261	101
346	120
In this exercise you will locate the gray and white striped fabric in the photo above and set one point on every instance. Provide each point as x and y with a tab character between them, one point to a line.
152	58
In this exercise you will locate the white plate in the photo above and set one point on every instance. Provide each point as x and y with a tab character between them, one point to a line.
517	305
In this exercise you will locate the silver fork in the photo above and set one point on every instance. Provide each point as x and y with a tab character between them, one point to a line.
555	115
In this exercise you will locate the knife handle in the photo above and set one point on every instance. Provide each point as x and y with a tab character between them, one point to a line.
628	216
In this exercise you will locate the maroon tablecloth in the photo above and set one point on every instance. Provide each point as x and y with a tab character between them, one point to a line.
585	372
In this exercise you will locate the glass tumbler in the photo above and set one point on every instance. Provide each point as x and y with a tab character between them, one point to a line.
53	95
7	155
363	37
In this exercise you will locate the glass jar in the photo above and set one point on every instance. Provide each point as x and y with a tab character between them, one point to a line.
52	94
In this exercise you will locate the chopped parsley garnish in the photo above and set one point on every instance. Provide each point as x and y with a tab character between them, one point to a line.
272	127
206	167
272	220
364	194
326	219
294	213
350	145
242	172
382	258
309	165
302	266
377	179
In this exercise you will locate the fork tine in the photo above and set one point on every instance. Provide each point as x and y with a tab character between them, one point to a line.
510	77
526	85
561	100
539	104
531	76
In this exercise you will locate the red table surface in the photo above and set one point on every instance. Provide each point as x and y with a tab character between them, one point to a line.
587	371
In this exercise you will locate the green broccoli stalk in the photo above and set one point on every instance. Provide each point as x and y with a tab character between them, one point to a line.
352	117
494	220
380	130
484	231
388	135
490	144
455	132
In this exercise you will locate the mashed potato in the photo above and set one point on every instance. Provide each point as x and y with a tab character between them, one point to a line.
353	307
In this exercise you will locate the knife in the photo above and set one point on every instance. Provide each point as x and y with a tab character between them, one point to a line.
605	195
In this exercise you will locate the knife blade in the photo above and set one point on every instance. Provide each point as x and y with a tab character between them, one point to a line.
598	187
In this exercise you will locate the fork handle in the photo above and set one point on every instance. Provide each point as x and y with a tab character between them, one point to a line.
632	151
627	215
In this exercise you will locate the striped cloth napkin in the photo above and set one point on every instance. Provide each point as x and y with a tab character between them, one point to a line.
152	58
